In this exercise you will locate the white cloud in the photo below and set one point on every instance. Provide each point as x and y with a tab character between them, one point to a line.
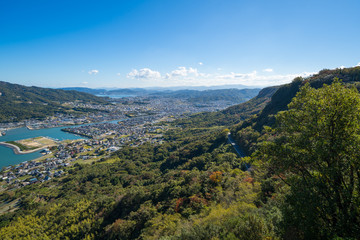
94	71
233	75
268	70
358	65
188	76
183	72
144	73
200	63
342	67
118	74
84	83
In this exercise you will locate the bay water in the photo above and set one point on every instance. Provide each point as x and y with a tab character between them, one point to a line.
7	155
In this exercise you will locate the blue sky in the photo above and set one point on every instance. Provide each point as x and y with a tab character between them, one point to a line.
174	43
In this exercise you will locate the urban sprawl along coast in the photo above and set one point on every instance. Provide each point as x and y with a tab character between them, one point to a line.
129	121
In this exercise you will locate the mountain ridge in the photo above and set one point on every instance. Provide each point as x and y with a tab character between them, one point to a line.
20	102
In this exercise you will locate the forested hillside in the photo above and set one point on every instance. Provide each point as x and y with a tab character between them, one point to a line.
303	182
232	115
19	102
247	131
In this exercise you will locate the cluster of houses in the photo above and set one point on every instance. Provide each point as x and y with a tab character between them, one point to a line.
33	171
127	130
120	109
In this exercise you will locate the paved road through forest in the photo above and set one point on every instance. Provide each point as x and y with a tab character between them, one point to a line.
239	152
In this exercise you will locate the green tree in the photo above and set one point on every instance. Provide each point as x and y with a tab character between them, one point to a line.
316	151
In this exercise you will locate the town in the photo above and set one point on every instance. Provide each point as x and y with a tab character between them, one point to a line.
130	121
120	109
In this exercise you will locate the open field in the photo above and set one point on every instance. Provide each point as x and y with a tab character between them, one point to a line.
37	142
29	145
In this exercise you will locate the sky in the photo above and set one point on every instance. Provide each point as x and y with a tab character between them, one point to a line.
148	43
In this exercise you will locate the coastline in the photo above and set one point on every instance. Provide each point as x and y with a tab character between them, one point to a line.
79	134
18	154
17	150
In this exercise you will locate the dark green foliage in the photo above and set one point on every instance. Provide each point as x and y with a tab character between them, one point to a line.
316	152
283	96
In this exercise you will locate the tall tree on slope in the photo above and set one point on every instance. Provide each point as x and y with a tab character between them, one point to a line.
316	151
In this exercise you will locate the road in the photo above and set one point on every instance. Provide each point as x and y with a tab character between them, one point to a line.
239	152
236	147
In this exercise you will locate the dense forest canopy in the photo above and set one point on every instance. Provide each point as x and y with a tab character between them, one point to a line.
315	150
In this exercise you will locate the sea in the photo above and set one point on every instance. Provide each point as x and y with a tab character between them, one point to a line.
7	155
115	96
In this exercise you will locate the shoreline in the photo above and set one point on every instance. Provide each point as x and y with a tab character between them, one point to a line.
30	128
17	150
67	130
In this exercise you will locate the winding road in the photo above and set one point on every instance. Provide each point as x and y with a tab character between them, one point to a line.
239	152
236	147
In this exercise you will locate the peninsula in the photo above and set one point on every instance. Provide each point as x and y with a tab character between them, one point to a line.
30	145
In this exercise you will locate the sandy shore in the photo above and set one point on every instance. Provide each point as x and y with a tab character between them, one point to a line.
17	150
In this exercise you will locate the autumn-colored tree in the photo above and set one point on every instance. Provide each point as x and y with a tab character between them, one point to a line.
216	177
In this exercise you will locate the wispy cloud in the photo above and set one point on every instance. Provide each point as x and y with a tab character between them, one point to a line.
269	70
358	65
233	75
200	63
84	83
93	72
182	72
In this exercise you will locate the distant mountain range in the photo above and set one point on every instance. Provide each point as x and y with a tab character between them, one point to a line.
120	91
233	95
152	90
204	95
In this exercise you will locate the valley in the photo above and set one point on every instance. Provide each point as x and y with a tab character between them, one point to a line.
170	161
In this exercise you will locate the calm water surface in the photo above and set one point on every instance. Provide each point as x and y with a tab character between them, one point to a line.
116	96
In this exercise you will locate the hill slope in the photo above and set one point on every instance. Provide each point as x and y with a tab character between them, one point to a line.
283	96
19	102
190	187
233	114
